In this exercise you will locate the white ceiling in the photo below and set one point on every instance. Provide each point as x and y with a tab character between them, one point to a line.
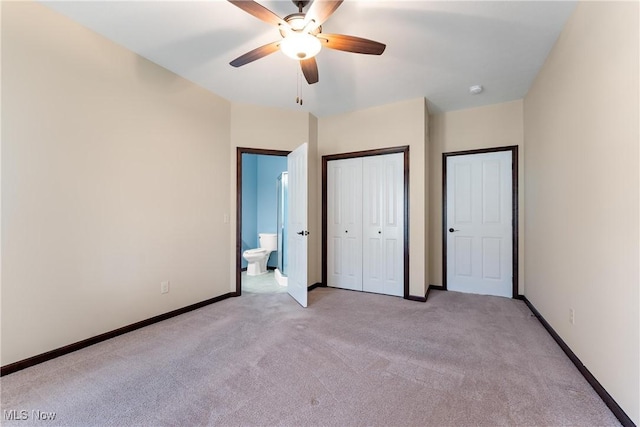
435	49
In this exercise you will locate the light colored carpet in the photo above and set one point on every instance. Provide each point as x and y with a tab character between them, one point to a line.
350	359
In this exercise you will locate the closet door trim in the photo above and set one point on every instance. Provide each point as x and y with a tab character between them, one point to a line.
402	149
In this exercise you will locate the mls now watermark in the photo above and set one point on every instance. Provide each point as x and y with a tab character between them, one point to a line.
24	415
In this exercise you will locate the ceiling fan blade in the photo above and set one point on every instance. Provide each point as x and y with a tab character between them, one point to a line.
257	53
352	44
259	11
310	70
320	11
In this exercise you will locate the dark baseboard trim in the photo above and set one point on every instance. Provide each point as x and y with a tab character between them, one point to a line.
410	297
604	395
435	288
316	285
40	358
419	299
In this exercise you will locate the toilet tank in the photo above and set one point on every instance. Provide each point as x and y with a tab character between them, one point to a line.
268	241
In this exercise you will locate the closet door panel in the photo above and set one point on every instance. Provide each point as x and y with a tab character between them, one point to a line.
394	224
383	219
373	256
344	223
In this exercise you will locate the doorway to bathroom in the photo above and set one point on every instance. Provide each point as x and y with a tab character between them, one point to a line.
261	234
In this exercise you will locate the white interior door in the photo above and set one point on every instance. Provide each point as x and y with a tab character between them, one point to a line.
344	223
297	224
479	224
383	224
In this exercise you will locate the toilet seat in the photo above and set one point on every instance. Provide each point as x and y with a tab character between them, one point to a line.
256	251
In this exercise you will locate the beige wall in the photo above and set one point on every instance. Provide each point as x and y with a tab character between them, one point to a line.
254	126
581	138
496	125
113	179
398	124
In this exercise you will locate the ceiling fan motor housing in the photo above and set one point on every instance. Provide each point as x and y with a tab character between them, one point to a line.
296	21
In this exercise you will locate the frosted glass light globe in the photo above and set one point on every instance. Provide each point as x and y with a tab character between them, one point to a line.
300	46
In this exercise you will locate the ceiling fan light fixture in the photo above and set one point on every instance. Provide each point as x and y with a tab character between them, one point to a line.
300	46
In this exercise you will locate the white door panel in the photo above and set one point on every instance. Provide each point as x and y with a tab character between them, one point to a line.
383	223
479	210
297	224
344	223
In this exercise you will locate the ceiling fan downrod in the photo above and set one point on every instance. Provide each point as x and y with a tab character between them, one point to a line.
300	4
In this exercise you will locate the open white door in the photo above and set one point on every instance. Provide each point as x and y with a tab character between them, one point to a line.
297	224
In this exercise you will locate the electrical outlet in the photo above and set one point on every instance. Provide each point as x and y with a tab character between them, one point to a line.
164	287
572	316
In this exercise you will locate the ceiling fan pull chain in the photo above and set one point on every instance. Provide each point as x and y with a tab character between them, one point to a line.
298	88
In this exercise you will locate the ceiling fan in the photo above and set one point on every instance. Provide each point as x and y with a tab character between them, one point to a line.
302	36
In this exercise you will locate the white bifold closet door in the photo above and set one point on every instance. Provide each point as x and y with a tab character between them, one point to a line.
365	227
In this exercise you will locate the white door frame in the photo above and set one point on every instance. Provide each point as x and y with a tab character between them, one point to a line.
392	150
514	209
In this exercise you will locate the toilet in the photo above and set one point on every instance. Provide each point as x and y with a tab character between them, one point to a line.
257	258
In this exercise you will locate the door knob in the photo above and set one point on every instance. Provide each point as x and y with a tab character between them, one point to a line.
451	230
346	231
303	233
379	232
